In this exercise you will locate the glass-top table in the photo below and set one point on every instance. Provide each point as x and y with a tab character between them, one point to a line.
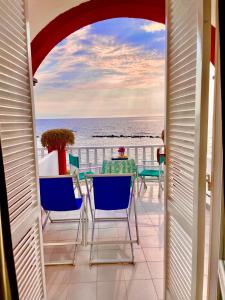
118	166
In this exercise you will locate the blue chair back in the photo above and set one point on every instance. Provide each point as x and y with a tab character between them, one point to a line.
57	194
111	192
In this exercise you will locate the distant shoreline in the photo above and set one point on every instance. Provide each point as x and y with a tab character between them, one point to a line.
126	136
118	117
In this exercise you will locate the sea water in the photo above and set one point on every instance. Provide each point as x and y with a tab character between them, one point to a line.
126	131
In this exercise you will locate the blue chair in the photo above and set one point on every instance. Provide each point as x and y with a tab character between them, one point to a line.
112	192
153	170
57	194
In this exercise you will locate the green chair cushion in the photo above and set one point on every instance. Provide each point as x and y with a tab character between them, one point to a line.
82	174
74	161
153	173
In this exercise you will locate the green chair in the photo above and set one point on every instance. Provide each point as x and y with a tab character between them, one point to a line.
86	169
153	170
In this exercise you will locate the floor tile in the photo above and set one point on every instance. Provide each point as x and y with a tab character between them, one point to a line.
82	257
154	254
147	231
113	290
57	291
143	281
117	254
159	287
151	241
137	271
82	291
57	274
61	256
83	273
141	290
139	256
156	269
110	273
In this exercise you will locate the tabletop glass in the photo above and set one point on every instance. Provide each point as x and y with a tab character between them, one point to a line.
118	166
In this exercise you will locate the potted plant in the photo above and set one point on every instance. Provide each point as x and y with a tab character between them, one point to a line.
121	151
57	139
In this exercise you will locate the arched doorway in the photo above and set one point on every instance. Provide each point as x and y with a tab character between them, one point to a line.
71	26
152	235
6	115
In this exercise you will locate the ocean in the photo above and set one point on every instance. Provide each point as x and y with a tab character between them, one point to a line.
124	131
130	131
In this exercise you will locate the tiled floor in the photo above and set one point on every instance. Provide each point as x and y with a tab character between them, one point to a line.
142	281
111	282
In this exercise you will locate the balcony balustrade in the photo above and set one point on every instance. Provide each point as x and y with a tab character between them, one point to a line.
96	154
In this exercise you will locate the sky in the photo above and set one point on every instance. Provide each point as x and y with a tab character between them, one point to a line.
112	68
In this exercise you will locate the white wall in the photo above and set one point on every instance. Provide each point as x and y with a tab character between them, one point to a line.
42	12
48	166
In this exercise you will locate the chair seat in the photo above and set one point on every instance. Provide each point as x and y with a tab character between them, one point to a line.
82	174
152	173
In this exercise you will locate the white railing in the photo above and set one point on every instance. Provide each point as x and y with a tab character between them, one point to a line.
96	154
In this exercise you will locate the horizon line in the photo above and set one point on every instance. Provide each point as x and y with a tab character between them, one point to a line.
100	117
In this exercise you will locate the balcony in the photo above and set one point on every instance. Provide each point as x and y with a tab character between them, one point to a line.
144	280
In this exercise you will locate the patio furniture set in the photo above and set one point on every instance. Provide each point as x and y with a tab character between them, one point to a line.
111	190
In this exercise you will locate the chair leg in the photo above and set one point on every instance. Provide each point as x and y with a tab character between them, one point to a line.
129	232
85	225
145	185
139	192
137	186
50	218
92	237
46	219
91	185
77	235
136	223
160	187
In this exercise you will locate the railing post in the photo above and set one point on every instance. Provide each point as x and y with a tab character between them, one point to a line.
87	156
111	152
136	155
152	153
144	153
104	153
128	151
79	154
96	156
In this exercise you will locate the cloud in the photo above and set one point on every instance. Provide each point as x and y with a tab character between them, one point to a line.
91	74
153	27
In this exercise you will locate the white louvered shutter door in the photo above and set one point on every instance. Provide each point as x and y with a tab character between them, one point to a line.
186	138
18	147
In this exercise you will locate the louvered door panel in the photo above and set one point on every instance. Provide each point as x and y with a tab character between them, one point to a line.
186	156
18	146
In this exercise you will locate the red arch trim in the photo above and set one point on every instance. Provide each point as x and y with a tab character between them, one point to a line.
213	44
91	12
88	13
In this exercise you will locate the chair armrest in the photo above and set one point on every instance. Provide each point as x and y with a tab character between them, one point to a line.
86	164
152	161
90	168
141	167
147	165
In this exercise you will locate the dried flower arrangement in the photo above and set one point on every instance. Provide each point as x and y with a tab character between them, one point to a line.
57	138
